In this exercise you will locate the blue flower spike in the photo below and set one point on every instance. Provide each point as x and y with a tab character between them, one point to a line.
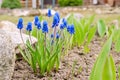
49	14
63	24
58	16
45	27
71	29
36	19
55	21
29	26
38	25
20	23
57	36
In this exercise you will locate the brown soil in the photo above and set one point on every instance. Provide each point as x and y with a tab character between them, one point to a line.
76	66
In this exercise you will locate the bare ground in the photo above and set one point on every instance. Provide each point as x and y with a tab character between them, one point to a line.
75	66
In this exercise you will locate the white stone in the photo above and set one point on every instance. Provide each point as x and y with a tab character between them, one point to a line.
84	9
8	26
25	12
12	31
7	56
19	12
98	11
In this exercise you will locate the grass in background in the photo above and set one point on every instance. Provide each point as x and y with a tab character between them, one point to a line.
15	19
107	17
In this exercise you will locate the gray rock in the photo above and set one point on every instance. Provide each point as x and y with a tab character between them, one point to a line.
8	26
9	40
16	39
116	10
25	12
7	56
98	11
14	34
4	11
84	9
115	23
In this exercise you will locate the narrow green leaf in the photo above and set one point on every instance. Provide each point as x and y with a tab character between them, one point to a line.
30	48
34	32
91	34
48	52
88	23
99	64
113	67
116	35
101	28
119	72
109	72
23	54
117	44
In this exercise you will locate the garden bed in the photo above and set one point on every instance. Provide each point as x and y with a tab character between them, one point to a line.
76	65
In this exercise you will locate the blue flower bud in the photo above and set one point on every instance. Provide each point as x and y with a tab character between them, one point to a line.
57	36
61	26
29	26
45	27
68	28
52	36
49	14
64	24
38	25
64	21
20	23
36	19
71	29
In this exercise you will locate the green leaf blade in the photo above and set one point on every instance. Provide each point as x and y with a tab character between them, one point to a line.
99	64
101	28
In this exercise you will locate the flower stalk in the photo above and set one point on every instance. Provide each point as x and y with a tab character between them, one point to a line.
30	37
45	44
22	37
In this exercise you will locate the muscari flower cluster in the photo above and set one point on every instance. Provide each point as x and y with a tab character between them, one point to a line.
20	23
55	23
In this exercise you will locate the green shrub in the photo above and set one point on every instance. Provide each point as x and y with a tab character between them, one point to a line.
11	4
70	2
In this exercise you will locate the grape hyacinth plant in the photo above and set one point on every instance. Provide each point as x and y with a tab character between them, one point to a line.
45	55
49	14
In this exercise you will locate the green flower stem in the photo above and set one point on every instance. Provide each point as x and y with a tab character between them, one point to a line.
45	44
30	37
38	35
53	39
55	29
22	37
61	31
71	40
